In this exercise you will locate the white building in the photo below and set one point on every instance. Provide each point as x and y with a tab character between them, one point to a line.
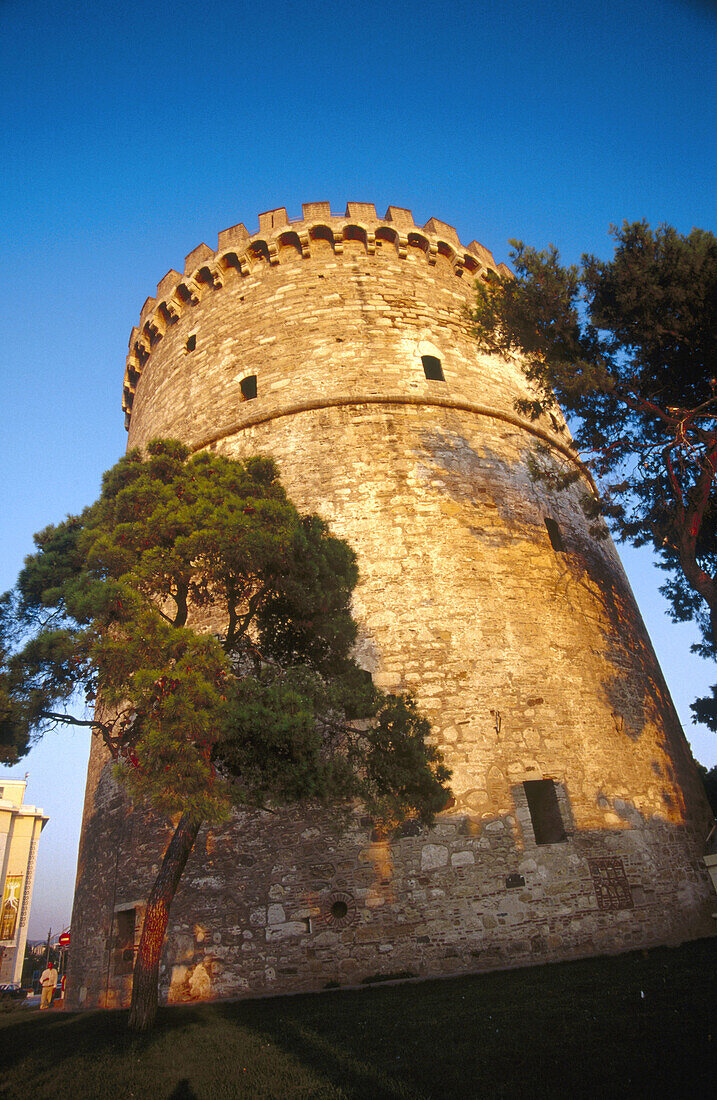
20	828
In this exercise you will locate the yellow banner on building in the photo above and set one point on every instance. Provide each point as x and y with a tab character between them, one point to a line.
10	907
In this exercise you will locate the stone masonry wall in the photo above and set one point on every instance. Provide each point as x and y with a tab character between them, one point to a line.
531	661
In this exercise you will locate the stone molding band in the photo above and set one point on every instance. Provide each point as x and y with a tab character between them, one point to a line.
401	399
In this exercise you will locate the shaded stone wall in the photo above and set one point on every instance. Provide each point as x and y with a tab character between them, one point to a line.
530	660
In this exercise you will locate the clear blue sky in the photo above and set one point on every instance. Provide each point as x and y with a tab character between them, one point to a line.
132	132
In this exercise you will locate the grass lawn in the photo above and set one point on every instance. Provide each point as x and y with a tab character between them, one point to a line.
641	1024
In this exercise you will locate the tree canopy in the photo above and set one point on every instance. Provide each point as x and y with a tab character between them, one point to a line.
208	623
628	348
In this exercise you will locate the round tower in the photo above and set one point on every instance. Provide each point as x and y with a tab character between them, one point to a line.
342	346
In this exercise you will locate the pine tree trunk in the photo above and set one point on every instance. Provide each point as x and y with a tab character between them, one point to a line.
145	979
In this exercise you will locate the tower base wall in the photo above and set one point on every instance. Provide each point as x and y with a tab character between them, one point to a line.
278	906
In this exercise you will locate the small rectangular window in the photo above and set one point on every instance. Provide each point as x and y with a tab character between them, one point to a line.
191	342
432	368
545	816
248	387
554	534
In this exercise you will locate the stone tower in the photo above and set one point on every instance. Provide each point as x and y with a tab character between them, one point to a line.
341	345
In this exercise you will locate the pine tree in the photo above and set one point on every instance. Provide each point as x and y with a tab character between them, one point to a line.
208	624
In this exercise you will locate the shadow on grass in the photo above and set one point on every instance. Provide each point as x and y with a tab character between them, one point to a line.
632	1024
183	1091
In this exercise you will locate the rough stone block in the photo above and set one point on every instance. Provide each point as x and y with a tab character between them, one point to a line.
433	856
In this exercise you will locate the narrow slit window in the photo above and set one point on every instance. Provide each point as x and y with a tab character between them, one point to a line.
191	342
248	387
123	944
432	368
545	816
554	534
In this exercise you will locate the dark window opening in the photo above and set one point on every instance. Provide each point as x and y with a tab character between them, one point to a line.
123	942
544	810
339	910
248	387
191	343
432	368
554	534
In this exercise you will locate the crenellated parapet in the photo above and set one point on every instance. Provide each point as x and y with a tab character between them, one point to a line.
240	254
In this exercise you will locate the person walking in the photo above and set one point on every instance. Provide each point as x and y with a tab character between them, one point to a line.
48	981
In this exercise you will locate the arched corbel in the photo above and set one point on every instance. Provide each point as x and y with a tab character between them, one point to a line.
155	329
353	232
386	235
243	265
131	375
322	232
166	316
204	280
132	367
418	240
227	265
190	291
289	242
174	307
204	277
258	251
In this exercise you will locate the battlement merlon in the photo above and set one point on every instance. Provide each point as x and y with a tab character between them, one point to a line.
238	250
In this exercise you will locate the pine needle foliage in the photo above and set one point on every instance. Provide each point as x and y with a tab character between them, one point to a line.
212	621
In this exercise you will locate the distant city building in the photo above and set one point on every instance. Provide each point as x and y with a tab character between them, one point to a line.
20	828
